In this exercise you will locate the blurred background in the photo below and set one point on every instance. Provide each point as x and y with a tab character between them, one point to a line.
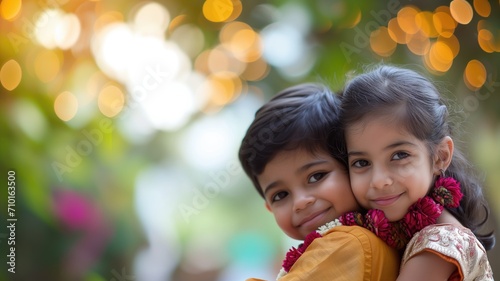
121	121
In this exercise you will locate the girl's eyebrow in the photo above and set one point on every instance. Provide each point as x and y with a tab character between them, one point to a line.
390	146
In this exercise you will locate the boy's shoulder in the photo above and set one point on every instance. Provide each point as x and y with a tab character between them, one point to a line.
354	250
357	237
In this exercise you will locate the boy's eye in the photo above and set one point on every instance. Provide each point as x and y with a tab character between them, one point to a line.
400	155
279	196
360	163
316	177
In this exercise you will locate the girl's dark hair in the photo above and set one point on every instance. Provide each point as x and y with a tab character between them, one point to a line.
302	116
421	110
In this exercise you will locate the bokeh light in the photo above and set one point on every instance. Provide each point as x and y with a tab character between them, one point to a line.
461	11
66	106
190	39
47	65
10	9
382	43
116	113
440	56
28	117
111	46
219	59
170	106
45	27
482	7
407	19
452	43
283	45
10	74
444	22
242	41
475	75
218	10
67	31
208	143
151	19
256	70
425	22
485	39
56	29
111	100
418	43
107	18
395	31
223	87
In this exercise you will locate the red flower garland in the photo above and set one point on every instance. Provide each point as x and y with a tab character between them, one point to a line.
424	212
295	253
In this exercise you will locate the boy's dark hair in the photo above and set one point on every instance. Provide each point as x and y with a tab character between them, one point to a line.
302	116
422	111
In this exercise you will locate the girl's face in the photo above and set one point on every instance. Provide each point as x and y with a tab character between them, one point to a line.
390	169
305	191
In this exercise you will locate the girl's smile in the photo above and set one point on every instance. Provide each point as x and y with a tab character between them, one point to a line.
390	169
386	200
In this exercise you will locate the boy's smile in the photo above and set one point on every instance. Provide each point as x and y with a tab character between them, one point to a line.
305	191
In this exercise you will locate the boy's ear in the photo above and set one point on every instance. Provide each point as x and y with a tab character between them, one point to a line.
268	207
444	154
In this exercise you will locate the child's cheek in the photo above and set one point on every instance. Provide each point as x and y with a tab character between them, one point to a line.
404	170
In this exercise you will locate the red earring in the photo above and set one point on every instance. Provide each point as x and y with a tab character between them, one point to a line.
447	191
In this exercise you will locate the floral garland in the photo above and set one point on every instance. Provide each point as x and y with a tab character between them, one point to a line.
446	193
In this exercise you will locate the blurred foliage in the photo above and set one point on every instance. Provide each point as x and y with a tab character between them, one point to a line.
92	202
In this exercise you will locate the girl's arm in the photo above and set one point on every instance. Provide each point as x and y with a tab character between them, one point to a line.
426	266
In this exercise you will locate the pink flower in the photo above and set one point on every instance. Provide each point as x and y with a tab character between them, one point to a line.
421	214
447	192
376	221
309	239
291	256
294	253
352	218
400	235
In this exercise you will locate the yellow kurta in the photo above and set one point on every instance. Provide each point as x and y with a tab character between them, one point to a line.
345	253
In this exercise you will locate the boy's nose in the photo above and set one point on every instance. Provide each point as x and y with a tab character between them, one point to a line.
302	201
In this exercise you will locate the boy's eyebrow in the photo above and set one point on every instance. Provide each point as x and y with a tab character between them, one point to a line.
301	169
390	146
269	187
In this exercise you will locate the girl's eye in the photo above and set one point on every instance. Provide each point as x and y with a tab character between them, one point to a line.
279	196
400	155
316	177
360	163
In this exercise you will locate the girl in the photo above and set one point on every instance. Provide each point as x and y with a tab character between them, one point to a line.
398	147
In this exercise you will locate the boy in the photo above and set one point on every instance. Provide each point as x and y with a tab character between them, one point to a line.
296	168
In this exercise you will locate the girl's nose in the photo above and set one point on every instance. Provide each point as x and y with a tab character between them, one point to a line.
381	178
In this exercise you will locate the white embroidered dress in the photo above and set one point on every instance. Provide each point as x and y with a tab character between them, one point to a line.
457	243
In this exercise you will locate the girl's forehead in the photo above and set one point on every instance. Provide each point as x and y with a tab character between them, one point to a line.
388	120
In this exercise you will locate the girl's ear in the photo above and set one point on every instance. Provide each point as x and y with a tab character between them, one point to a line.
444	154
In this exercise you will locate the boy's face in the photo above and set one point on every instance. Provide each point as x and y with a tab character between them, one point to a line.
305	191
